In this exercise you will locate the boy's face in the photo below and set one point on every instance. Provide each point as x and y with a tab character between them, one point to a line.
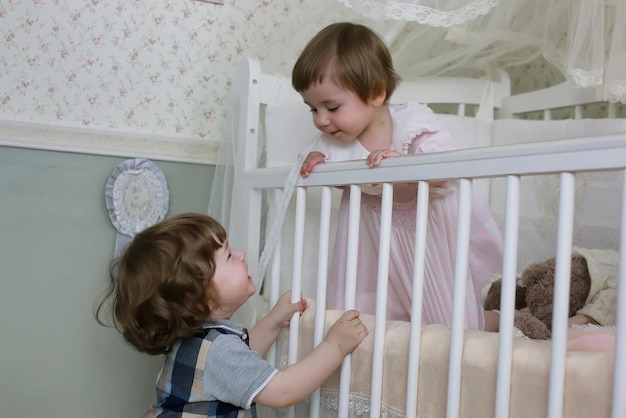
231	280
338	112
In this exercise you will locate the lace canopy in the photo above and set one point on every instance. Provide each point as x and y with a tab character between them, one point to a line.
584	39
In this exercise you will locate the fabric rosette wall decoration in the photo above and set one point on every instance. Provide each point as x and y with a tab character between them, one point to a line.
136	197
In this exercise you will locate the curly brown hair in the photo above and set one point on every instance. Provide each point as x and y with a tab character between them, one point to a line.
358	58
160	288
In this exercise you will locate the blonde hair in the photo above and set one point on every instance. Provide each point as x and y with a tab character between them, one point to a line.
160	288
360	61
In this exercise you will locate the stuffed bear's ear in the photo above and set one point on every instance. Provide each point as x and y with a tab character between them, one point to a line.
492	300
537	271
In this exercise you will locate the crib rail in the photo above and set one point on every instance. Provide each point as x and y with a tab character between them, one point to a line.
577	154
563	157
559	96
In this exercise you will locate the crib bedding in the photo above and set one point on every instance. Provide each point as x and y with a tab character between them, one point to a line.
588	377
268	135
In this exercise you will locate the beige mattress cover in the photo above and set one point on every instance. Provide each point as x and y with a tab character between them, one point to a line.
588	377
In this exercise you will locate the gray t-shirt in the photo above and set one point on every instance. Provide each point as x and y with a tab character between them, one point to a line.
212	374
233	373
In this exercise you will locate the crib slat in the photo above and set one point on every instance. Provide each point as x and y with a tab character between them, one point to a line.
274	288
458	311
507	303
561	295
350	295
578	112
353	240
619	377
322	279
421	222
296	279
274	279
322	262
381	300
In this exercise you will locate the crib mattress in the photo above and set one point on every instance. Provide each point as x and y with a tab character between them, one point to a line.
588	376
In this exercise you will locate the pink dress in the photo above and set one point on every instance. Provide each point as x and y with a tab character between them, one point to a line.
416	130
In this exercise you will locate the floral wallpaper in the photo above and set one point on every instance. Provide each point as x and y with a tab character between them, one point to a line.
151	66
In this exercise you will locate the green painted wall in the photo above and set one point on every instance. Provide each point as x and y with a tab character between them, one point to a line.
56	242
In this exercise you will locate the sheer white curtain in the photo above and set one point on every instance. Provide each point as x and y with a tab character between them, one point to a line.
584	39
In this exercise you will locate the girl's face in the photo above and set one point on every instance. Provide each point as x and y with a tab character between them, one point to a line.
340	113
231	281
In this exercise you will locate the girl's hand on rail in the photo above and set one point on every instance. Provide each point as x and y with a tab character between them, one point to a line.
376	156
348	332
314	158
283	310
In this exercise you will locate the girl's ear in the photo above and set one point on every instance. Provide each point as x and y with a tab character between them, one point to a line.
378	96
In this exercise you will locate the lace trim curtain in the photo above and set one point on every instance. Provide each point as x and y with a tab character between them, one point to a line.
444	13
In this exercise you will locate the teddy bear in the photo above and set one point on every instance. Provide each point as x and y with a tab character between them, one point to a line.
534	296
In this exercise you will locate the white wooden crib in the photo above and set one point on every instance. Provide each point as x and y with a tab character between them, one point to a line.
547	192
